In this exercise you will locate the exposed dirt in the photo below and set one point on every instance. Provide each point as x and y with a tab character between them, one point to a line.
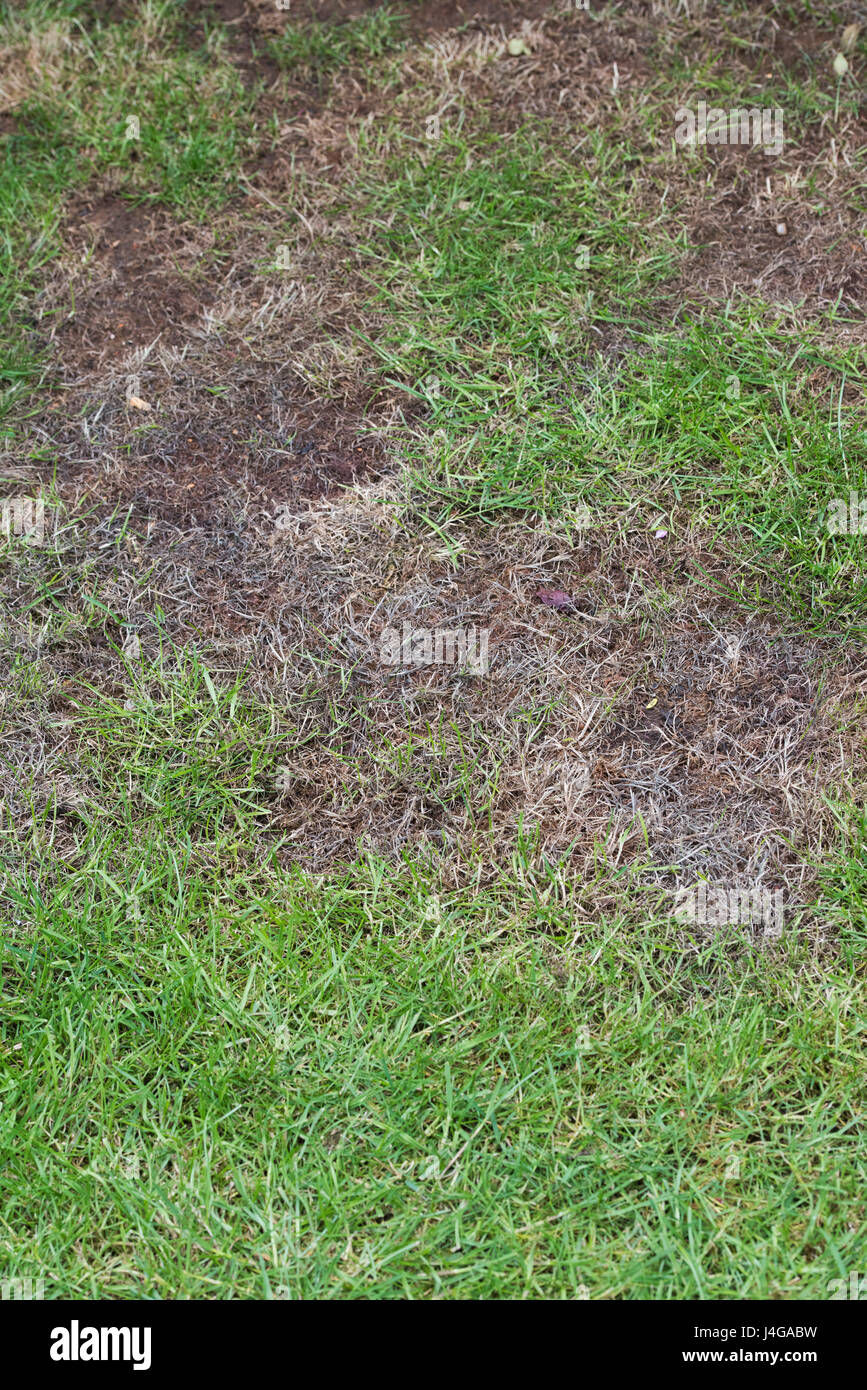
249	22
797	50
759	231
203	500
132	295
429	17
189	474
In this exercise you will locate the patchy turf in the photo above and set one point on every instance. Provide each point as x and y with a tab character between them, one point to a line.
323	324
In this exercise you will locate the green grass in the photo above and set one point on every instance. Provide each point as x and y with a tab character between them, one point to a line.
313	51
302	1089
224	1077
32	178
475	244
193	112
494	325
844	879
221	1077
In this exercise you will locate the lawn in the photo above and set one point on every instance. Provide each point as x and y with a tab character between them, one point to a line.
330	976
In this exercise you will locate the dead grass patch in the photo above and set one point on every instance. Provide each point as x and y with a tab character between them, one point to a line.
128	281
668	728
653	733
653	726
27	66
433	16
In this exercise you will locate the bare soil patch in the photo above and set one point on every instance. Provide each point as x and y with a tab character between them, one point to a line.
759	234
199	469
690	734
130	293
433	16
248	22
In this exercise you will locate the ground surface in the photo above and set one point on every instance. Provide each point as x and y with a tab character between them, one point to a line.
329	977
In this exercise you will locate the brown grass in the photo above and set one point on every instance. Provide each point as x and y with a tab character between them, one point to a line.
679	733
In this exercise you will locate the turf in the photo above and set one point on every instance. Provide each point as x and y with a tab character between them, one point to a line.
325	978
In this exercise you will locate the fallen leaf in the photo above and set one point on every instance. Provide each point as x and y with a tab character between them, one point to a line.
517	47
850	37
555	598
841	67
137	403
654	701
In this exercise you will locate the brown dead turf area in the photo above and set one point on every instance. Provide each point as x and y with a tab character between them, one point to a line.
132	293
431	17
265	508
681	737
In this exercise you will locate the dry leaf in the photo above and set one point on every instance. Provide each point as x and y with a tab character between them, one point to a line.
850	37
841	67
137	403
555	598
